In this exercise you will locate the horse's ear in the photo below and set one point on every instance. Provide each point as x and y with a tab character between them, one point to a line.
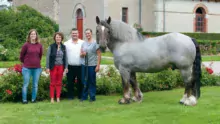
109	20
97	20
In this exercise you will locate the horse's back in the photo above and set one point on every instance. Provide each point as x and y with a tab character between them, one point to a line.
155	54
181	49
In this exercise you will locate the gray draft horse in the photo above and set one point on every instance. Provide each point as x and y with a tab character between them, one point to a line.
134	53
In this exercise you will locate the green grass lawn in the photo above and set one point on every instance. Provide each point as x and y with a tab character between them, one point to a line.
107	53
211	58
104	61
157	108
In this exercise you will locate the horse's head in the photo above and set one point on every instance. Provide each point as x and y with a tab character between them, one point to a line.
103	32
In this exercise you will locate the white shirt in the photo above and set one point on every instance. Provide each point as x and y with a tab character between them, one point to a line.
73	51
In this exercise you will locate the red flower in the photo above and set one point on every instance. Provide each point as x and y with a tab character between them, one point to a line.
8	92
18	68
209	70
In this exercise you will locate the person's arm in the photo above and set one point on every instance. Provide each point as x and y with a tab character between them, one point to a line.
23	52
48	59
98	52
82	53
41	52
66	64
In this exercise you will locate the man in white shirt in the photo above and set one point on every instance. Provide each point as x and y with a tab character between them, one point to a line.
73	47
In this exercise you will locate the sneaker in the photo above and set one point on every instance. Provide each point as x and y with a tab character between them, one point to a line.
34	101
24	102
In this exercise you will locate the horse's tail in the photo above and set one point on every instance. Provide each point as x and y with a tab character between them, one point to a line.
197	70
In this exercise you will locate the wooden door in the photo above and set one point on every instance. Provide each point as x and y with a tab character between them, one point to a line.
80	27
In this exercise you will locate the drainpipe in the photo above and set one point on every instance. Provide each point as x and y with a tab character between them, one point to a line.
140	2
164	17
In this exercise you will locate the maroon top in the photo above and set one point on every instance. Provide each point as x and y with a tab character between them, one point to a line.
31	55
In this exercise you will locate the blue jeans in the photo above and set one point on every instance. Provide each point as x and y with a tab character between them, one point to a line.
27	73
90	84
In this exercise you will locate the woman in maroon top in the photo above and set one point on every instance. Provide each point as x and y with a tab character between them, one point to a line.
30	56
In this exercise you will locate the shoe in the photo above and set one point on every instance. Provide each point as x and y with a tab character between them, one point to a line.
81	100
33	101
91	100
24	102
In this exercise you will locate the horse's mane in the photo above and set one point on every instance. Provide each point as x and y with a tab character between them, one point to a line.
122	31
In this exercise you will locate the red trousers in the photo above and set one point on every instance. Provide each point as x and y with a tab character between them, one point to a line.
56	76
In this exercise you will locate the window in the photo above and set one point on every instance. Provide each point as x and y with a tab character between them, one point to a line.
125	15
200	20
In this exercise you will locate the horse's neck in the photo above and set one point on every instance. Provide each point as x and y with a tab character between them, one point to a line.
112	44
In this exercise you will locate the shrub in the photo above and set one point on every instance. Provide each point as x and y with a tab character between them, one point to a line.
198	36
108	82
15	23
11	83
3	53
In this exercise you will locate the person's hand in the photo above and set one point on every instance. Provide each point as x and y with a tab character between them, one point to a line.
66	70
97	68
82	54
47	71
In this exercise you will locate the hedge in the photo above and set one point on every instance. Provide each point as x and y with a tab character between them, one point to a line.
108	83
198	36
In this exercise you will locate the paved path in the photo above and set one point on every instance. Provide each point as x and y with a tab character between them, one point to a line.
215	67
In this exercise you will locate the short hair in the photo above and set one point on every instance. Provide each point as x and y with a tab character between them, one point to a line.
60	34
29	38
88	29
74	29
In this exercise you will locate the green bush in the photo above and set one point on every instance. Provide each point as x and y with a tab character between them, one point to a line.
108	82
11	83
15	23
198	36
3	53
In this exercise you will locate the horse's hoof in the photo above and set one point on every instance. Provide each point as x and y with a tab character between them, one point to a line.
124	101
180	102
134	99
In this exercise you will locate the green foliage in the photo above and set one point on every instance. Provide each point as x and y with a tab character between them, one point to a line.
11	82
209	47
108	82
15	23
200	36
209	80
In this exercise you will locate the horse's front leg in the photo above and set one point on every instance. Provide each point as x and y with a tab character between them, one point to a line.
138	96
125	75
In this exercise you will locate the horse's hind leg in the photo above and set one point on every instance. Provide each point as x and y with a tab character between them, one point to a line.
137	92
125	75
187	75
